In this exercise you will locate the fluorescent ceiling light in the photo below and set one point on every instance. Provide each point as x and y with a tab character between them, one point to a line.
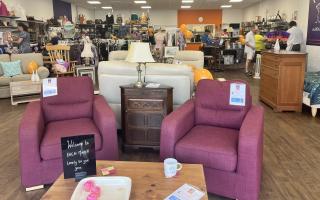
140	2
235	1
187	1
94	2
226	6
185	6
107	7
146	7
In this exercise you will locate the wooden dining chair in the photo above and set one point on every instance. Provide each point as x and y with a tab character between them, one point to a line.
61	52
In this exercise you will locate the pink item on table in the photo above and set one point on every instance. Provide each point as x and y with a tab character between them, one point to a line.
88	186
96	190
92	197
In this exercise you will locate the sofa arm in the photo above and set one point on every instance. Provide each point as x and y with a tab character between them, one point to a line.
105	120
174	127
30	136
43	72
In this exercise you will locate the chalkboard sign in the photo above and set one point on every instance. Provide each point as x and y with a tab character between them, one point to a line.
78	154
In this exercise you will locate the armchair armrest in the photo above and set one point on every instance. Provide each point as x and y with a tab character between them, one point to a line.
105	120
31	132
250	148
174	127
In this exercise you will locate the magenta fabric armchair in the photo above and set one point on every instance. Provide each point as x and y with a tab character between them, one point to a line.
74	111
227	140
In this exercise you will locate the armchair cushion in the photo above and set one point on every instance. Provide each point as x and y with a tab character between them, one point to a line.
212	105
51	144
214	147
74	100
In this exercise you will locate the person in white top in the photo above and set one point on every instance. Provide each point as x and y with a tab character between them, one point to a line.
249	49
295	39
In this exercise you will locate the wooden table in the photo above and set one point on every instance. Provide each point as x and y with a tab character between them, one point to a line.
148	181
24	91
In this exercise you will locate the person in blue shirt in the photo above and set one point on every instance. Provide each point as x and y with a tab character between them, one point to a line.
206	38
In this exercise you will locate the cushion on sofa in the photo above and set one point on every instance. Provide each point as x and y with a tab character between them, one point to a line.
26	58
5	81
3	58
21	77
213	147
11	68
51	142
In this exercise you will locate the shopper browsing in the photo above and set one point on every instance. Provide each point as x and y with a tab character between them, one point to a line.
295	39
206	38
23	40
250	47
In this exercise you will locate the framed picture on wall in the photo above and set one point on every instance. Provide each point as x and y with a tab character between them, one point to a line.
170	52
313	37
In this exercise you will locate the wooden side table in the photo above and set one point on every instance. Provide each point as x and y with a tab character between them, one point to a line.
143	110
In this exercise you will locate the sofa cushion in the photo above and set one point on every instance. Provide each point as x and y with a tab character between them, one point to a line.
26	58
51	142
3	58
74	100
5	81
212	105
21	77
214	147
11	68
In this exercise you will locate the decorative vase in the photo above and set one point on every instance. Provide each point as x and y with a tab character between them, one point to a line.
37	78
277	46
33	76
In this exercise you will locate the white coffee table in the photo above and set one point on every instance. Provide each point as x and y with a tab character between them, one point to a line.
24	91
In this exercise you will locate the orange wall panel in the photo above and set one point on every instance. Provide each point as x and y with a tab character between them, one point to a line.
191	17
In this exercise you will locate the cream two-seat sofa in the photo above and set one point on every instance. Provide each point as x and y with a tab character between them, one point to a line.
113	74
25	60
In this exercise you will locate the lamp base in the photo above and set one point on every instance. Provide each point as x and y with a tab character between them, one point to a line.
139	84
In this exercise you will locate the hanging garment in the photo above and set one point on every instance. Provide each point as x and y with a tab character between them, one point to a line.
109	19
119	19
3	9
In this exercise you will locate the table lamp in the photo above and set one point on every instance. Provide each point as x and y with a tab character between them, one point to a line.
139	52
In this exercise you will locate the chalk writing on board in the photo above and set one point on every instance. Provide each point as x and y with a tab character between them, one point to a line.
78	154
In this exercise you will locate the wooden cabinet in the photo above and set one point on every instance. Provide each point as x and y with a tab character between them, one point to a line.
282	79
143	110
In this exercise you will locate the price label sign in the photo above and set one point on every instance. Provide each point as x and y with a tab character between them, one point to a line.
237	94
78	154
49	87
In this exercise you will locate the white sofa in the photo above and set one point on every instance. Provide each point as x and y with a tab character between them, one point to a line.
189	57
113	74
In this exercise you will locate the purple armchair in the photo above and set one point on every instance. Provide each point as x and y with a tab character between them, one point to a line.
227	140
74	111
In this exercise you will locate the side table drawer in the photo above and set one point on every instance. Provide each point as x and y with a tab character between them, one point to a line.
145	104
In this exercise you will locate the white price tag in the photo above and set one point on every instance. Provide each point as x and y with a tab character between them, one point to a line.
49	87
237	94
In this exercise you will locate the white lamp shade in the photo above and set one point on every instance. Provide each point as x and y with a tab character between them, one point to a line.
139	52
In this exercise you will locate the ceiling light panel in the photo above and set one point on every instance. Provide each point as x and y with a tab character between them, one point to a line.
93	2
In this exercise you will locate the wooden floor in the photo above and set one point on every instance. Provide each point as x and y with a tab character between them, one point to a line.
291	164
